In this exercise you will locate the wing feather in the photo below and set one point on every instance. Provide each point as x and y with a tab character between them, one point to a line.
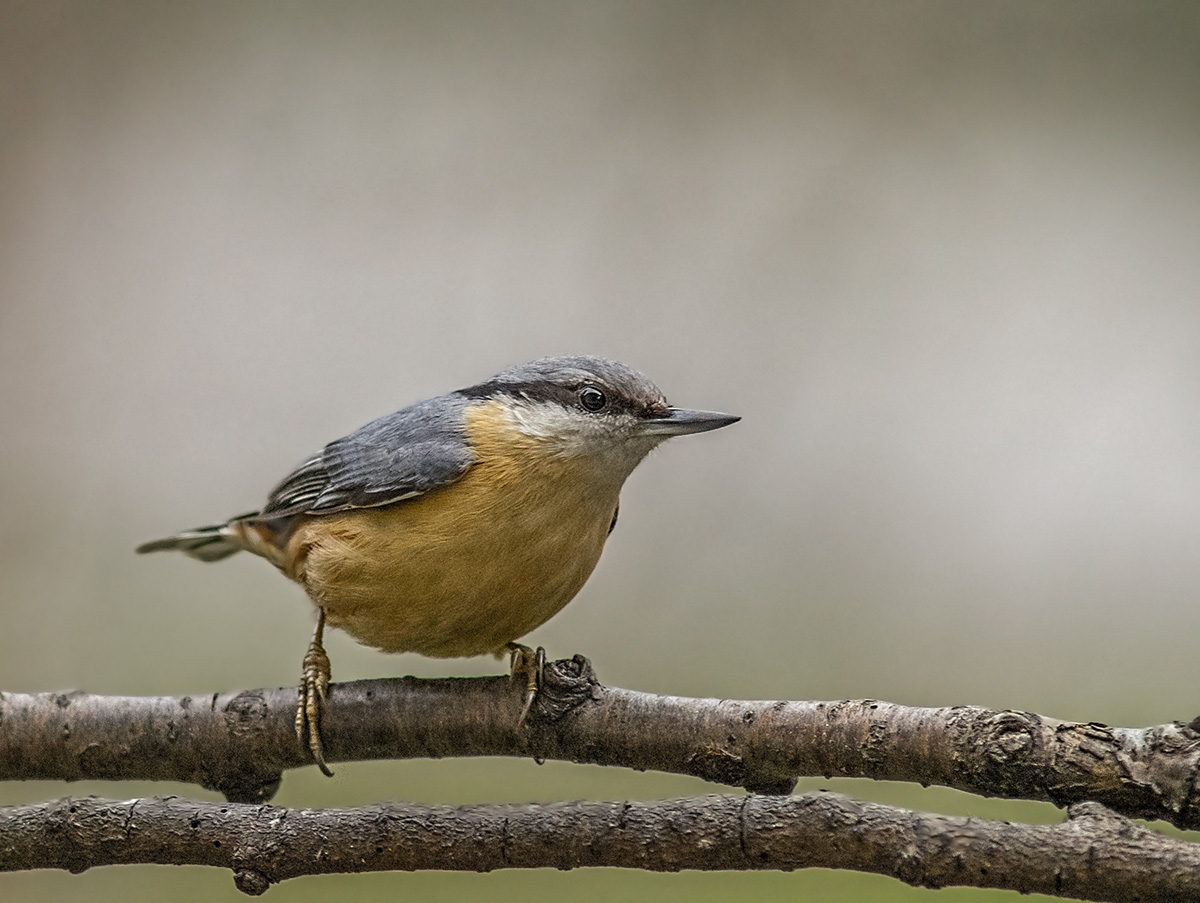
397	457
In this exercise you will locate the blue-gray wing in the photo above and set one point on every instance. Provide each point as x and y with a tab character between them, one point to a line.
396	457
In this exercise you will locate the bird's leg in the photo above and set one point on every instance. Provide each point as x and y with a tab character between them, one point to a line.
314	684
529	664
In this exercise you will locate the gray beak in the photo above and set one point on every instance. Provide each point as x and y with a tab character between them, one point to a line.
680	422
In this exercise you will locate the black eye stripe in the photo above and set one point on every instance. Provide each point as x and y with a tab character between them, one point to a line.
568	395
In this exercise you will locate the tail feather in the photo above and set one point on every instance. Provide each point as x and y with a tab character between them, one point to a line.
204	543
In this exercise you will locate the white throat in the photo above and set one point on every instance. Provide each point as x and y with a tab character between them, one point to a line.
612	440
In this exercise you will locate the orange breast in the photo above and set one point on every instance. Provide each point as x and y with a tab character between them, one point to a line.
467	568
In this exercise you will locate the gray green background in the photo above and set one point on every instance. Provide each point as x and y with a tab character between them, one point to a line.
942	257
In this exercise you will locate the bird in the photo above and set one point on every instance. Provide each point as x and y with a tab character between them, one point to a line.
456	525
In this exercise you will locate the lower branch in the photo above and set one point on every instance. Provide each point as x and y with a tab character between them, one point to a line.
1093	855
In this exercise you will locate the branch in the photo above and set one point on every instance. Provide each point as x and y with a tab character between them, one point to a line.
1093	855
241	743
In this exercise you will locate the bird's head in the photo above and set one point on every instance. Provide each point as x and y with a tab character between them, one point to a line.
592	407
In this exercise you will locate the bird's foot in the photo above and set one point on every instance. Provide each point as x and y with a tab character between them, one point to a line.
314	686
529	664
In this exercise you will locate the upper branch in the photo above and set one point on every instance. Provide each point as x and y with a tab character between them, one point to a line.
241	743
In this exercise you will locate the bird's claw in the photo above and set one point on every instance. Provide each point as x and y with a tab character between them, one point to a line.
314	687
530	664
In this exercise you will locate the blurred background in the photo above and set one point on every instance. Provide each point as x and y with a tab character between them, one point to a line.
943	258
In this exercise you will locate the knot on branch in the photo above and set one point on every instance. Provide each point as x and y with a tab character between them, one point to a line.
719	765
251	881
246	715
1010	737
566	684
246	786
1006	746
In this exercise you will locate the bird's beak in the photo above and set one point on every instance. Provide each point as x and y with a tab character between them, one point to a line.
680	422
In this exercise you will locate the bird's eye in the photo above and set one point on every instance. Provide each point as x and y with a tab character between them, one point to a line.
592	399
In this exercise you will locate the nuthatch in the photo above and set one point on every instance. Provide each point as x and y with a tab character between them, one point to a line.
456	525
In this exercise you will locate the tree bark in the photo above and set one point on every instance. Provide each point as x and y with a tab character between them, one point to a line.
1093	855
240	744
